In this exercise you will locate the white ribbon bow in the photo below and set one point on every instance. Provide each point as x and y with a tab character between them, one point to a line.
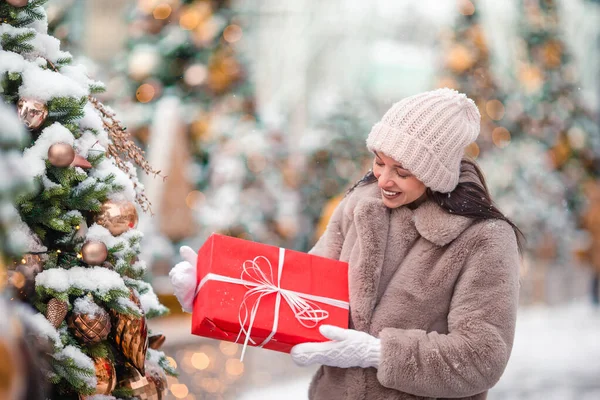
303	305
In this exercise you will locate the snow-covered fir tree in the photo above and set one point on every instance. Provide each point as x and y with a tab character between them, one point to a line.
531	192
80	269
187	50
14	180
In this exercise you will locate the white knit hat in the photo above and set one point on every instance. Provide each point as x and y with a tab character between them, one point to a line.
427	133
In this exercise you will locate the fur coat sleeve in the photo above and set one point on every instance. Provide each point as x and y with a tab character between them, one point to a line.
471	357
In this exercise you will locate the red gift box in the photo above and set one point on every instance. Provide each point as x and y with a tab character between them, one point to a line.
237	285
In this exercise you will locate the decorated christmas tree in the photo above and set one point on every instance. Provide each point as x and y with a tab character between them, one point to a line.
467	68
547	105
79	269
14	181
336	157
231	182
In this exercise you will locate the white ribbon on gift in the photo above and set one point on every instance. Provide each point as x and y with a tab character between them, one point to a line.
303	305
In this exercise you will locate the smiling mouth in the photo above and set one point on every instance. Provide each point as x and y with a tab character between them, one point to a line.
390	195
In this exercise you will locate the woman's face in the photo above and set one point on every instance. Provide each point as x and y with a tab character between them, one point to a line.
398	186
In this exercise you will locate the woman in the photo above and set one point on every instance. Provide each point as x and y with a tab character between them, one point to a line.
433	266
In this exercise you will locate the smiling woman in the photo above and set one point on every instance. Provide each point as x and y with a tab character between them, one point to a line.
398	186
433	265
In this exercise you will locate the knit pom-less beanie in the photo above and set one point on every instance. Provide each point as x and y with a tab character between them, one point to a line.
427	133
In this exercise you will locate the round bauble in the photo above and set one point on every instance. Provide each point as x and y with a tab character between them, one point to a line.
94	253
61	155
117	216
32	112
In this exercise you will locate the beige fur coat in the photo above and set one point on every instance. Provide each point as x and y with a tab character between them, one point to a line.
439	290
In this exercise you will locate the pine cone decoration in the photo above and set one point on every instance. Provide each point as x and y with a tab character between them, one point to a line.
90	328
131	335
56	311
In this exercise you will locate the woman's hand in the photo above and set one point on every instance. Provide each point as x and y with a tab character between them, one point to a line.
183	278
348	348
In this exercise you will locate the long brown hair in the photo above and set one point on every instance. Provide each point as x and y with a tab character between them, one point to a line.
471	198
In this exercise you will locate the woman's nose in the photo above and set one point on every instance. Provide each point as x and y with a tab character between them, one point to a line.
384	179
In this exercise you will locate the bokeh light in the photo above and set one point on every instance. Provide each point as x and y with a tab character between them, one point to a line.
501	137
195	199
234	367
179	390
162	11
232	33
195	74
228	348
145	93
495	109
466	7
200	361
472	150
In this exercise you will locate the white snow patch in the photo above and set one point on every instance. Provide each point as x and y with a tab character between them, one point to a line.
86	305
96	279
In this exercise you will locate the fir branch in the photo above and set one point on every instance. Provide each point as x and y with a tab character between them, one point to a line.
121	308
122	148
18	43
73	374
97	87
122	393
98	350
63	61
164	363
66	109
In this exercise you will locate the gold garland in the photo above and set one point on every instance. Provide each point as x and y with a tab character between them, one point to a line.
122	149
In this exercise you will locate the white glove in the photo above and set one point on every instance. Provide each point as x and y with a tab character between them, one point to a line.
183	278
348	349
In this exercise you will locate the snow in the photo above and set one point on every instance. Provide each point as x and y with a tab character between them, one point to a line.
148	300
11	62
107	167
128	304
556	355
44	85
85	305
39	324
99	233
96	279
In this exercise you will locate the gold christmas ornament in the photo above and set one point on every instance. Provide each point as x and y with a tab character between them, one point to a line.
80	162
90	328
32	112
61	155
157	377
117	216
22	275
155	342
138	384
17	3
106	376
130	334
56	311
94	253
